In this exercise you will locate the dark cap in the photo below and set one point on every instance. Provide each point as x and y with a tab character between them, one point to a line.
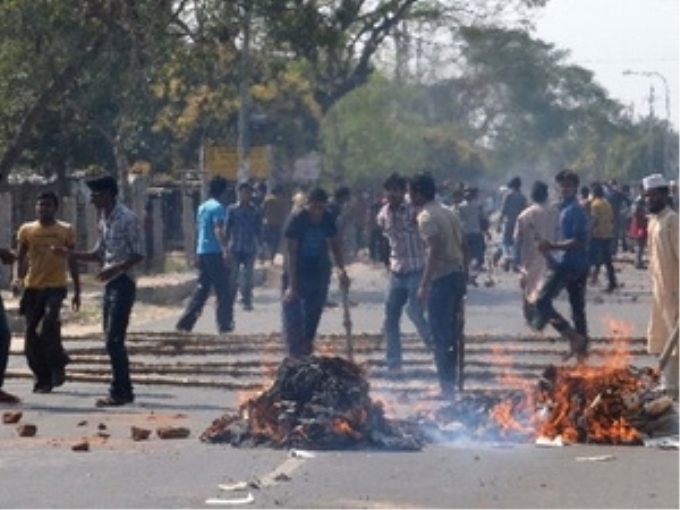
103	184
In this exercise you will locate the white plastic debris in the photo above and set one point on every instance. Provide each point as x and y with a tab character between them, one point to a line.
665	443
595	458
302	454
249	498
229	487
547	442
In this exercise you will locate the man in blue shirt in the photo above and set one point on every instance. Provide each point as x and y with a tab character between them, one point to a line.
243	232
568	269
212	262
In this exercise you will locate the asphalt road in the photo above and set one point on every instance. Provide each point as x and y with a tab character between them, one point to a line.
116	472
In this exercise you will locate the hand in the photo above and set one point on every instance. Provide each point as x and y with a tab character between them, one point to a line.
344	280
107	273
544	246
75	302
289	295
423	293
7	256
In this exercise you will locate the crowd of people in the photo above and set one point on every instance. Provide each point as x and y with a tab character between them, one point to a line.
431	240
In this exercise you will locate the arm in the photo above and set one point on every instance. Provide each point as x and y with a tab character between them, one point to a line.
222	235
433	247
22	262
7	256
291	268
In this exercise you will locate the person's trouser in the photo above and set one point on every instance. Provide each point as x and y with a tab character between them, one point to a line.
601	254
640	245
43	345
212	274
476	247
119	297
403	289
5	341
446	294
272	240
575	284
242	277
301	315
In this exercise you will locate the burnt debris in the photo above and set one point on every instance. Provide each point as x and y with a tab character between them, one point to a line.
316	403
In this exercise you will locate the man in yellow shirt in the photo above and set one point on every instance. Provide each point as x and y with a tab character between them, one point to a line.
602	236
663	270
44	278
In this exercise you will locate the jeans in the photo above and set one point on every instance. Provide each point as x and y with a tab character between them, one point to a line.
5	341
241	277
601	253
301	315
119	297
402	289
445	299
212	273
640	246
574	282
44	350
476	247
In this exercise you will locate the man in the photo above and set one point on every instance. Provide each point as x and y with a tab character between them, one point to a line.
620	203
212	263
568	269
6	257
602	236
242	230
307	271
43	275
397	219
442	285
513	204
118	250
662	239
475	226
274	212
537	222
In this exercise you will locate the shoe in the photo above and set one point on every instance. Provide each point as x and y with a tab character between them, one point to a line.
8	398
111	401
247	307
41	387
58	376
610	289
228	329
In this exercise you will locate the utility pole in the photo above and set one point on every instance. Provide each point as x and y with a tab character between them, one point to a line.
667	167
244	96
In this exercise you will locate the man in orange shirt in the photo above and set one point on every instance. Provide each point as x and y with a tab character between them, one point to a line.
44	278
602	236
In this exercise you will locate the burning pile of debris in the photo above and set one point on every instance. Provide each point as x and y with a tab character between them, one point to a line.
621	405
315	403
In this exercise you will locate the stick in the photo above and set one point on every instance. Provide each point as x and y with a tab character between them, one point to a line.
668	349
347	322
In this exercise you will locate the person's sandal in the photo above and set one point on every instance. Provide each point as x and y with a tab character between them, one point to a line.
111	402
8	398
578	346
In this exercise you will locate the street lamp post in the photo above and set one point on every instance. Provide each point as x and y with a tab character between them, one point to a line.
666	145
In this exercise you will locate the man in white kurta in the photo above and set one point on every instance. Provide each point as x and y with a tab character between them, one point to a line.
538	221
663	270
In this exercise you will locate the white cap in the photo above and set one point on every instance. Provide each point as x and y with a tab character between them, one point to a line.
654	181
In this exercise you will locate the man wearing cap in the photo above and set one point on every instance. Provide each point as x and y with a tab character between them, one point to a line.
662	239
118	250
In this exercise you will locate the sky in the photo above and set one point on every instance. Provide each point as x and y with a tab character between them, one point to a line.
612	36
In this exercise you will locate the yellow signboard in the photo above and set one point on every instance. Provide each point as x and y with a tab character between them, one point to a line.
222	160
